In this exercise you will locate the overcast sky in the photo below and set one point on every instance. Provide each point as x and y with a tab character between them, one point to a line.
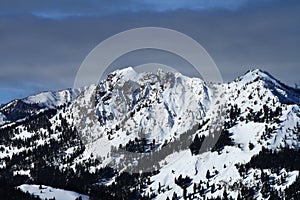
42	43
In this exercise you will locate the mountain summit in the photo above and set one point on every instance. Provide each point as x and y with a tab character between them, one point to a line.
156	136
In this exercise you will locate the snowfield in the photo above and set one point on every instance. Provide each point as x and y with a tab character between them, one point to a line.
46	192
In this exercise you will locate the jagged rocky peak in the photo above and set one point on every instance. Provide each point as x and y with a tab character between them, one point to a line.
129	73
161	103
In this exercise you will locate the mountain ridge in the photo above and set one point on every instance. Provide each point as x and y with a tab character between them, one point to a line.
155	114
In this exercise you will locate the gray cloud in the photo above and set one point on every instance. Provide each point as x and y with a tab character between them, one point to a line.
38	53
69	8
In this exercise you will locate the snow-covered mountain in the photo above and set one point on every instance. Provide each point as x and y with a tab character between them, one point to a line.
32	105
181	137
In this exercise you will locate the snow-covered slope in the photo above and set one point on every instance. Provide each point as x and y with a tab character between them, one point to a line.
46	192
251	93
53	99
155	106
158	113
32	105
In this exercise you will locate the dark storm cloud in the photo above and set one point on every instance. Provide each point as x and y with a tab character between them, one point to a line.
41	49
